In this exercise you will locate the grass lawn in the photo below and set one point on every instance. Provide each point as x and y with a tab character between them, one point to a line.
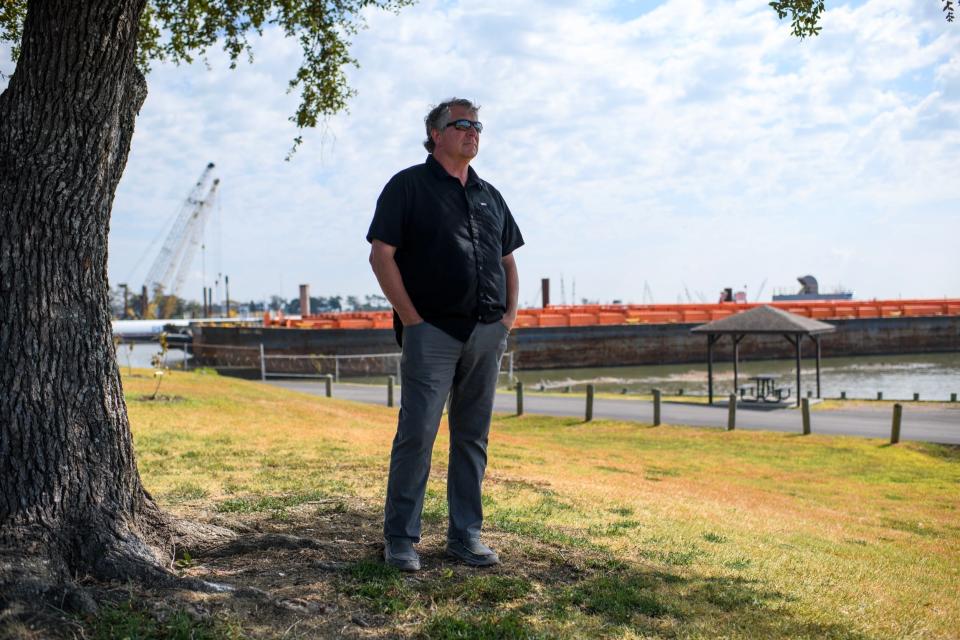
605	530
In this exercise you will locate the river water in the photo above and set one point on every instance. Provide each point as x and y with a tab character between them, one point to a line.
934	375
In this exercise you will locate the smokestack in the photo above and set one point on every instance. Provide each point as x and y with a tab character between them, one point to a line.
304	300
545	288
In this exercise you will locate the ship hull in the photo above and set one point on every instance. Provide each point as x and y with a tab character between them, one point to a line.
583	346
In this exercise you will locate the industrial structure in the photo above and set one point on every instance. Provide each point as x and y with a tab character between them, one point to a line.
810	290
169	271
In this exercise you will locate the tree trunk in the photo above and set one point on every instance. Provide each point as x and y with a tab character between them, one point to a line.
71	499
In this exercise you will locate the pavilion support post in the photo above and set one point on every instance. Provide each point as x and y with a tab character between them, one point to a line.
799	344
736	363
795	341
711	338
816	341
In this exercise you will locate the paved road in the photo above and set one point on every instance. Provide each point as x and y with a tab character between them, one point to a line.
919	423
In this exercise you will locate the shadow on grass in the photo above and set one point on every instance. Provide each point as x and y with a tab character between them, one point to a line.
945	452
602	597
552	584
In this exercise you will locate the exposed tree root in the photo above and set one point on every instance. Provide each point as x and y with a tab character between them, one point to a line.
240	546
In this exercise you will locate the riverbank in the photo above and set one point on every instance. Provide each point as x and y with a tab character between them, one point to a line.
606	530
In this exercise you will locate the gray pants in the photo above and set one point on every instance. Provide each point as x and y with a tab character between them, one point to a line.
433	366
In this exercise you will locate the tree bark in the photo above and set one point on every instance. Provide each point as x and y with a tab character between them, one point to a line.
71	499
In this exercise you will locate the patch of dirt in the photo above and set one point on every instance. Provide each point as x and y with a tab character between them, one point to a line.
160	397
305	591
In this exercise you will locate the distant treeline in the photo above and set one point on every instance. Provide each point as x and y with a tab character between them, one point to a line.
167	306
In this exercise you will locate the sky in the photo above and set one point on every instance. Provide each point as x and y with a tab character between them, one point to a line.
675	146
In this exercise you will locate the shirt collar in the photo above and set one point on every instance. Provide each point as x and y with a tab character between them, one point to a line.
440	172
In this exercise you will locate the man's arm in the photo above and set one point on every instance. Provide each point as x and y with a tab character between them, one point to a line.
391	282
513	290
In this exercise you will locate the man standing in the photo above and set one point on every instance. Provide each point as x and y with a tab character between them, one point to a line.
442	250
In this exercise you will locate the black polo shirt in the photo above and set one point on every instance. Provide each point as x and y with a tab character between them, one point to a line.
450	240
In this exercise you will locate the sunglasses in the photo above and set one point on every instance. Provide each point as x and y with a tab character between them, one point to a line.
464	125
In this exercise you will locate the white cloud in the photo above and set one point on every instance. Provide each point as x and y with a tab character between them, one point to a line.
694	143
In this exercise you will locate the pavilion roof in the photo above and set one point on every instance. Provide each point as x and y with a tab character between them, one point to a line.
765	319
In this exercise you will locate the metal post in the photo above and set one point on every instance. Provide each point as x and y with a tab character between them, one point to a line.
916	397
656	407
519	398
732	412
953	397
589	413
328	379
336	367
879	395
895	427
843	395
805	409
263	364
389	391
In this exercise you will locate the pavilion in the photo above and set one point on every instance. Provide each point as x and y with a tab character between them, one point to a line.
763	320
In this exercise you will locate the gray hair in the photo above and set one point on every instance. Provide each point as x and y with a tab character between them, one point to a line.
439	116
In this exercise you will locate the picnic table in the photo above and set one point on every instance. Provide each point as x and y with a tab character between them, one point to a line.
764	388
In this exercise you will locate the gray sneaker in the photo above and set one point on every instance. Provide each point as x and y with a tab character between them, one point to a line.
472	552
399	553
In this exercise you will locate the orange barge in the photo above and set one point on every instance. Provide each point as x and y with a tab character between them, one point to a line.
598	314
610	335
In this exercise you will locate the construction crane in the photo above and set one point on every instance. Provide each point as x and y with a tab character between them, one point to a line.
169	271
763	284
647	293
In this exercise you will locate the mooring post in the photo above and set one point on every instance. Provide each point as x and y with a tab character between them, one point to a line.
589	414
263	364
916	397
953	397
656	407
895	428
879	395
328	380
390	382
732	412
805	409
809	393
843	395
519	398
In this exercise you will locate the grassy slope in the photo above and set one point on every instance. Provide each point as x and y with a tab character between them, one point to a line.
674	532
